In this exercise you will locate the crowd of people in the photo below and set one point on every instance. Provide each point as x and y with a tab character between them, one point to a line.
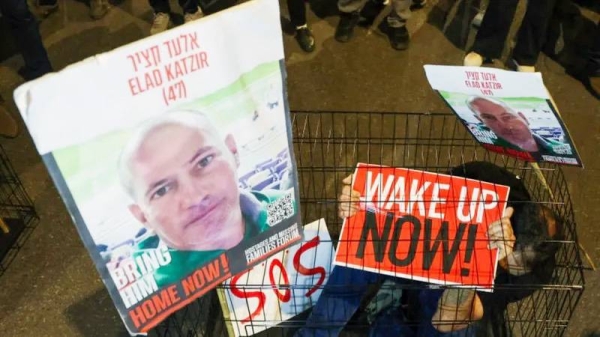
493	27
493	30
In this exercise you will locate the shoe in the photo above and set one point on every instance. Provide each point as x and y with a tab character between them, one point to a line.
370	12
525	69
189	17
305	39
418	4
514	65
473	60
30	75
160	23
46	7
398	36
345	28
478	19
592	74
99	8
8	125
25	73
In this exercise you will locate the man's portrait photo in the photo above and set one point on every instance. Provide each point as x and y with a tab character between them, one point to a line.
514	130
181	175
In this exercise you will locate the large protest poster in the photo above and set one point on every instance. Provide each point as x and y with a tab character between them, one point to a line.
283	286
422	226
507	112
173	155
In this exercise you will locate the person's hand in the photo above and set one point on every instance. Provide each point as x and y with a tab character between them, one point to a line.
501	235
349	199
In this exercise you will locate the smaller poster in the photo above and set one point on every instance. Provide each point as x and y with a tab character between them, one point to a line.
281	287
507	112
422	226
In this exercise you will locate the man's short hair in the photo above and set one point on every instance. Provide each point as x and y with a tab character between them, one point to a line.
536	228
190	118
471	103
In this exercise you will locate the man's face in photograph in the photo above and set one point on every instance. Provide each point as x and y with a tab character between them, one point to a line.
185	185
510	126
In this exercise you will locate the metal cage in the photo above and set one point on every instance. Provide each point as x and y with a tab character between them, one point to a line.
328	145
17	213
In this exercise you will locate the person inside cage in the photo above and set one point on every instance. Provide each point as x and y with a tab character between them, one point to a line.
181	174
512	128
525	237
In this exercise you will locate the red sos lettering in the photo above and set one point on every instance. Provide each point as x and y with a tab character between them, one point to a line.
286	295
309	271
262	298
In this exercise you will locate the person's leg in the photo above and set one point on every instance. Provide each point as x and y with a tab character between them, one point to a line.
27	37
370	12
160	6
349	15
418	4
493	31
532	33
188	6
394	26
339	300
592	69
476	22
351	6
191	10
400	13
594	53
297	10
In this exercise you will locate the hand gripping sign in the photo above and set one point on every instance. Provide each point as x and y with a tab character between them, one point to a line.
422	226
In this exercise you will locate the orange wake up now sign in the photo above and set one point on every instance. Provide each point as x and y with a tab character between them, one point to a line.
423	226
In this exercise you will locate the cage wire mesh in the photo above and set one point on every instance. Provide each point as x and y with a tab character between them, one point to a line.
17	213
328	145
